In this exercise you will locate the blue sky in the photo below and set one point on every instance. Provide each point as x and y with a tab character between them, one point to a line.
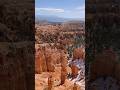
61	8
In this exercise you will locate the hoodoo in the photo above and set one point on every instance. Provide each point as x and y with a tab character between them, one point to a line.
50	82
63	68
75	86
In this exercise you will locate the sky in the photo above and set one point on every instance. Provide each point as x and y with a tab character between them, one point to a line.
60	8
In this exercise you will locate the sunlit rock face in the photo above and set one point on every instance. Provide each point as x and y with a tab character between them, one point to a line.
59	75
57	65
79	53
40	62
55	45
47	58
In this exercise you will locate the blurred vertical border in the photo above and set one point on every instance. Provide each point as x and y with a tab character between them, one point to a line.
17	25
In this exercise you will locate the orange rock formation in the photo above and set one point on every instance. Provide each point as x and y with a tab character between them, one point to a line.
79	53
63	67
75	86
50	83
74	71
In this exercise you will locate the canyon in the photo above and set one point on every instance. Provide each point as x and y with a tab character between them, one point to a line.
60	56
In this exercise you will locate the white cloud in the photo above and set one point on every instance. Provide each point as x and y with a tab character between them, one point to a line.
76	12
51	10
